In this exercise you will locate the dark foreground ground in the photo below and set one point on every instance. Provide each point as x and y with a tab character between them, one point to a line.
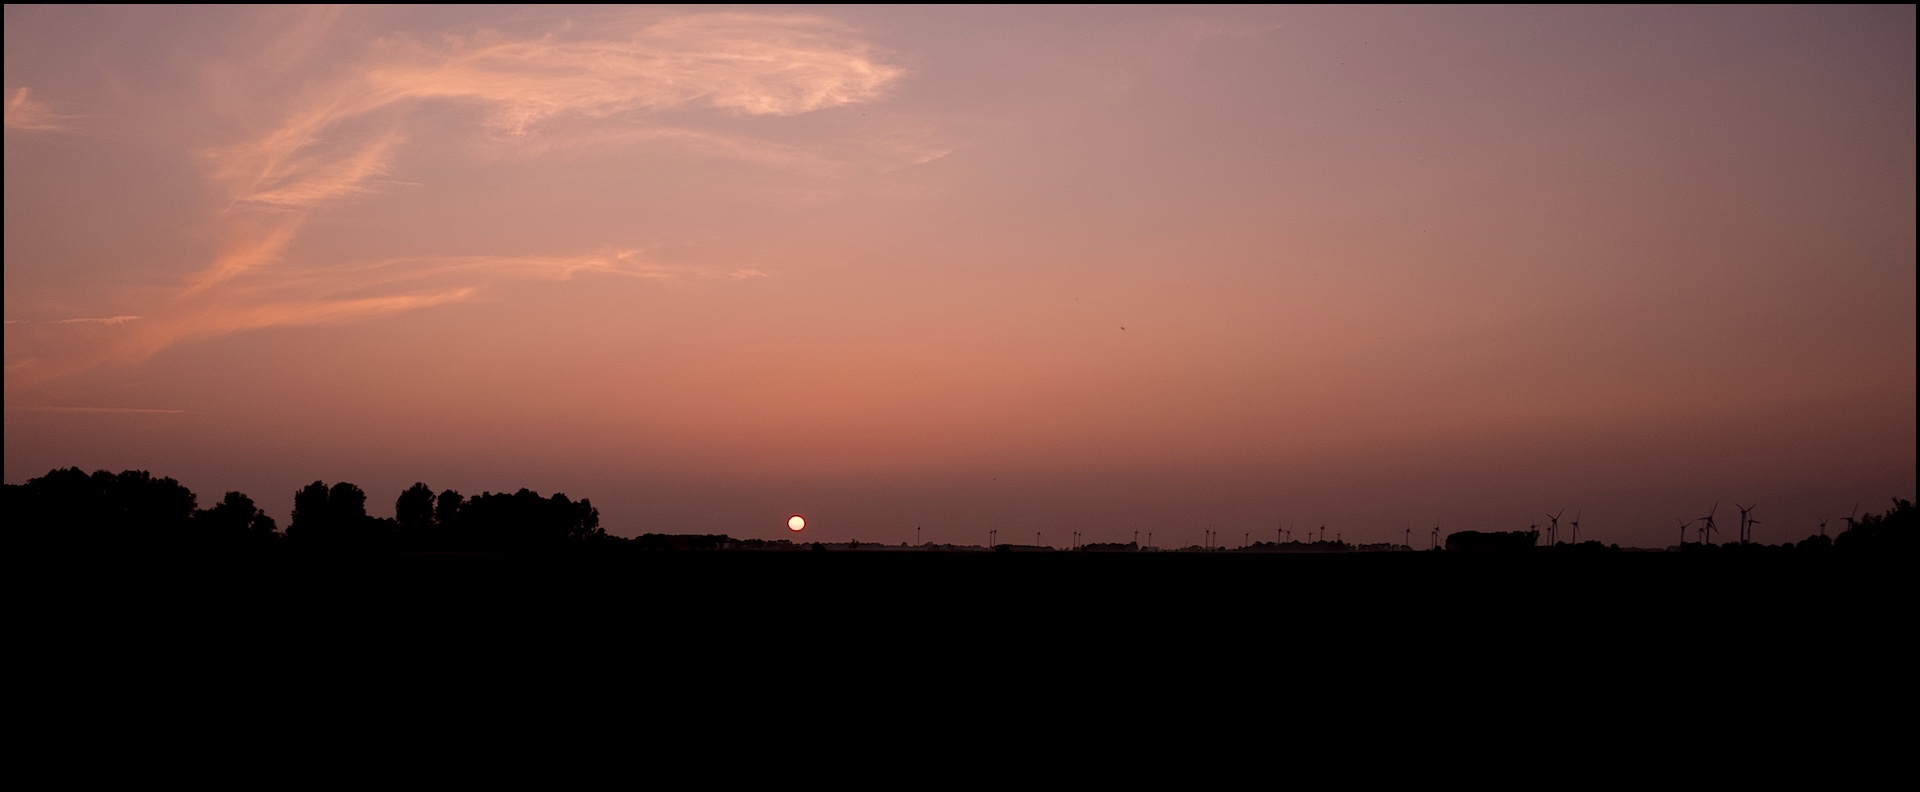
1623	654
1463	604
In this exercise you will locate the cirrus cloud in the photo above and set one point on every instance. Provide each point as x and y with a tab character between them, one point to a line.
345	136
29	114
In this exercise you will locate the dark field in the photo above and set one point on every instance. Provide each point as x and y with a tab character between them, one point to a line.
1061	601
1624	648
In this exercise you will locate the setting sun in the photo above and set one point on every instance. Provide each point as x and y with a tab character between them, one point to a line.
796	523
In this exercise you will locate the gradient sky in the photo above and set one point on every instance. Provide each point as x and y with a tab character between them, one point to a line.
1025	269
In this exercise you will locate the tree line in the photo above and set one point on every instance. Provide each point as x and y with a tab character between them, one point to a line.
134	510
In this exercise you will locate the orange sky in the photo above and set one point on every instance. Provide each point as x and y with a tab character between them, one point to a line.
969	268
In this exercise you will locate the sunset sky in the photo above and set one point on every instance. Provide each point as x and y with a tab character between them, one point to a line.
1025	269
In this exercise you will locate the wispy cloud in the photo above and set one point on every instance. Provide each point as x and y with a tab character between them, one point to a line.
105	320
99	410
742	63
399	271
746	63
345	138
249	243
27	113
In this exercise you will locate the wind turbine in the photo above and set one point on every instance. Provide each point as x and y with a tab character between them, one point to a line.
1708	530
1849	518
1683	529
1750	524
1553	530
1576	527
1433	542
1744	511
1823	526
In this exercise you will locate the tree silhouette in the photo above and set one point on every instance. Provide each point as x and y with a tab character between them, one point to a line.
336	518
413	511
446	508
126	511
235	520
129	511
523	520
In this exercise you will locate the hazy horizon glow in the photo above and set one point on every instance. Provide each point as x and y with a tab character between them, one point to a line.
1056	269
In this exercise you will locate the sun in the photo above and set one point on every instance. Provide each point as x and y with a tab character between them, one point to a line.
796	523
